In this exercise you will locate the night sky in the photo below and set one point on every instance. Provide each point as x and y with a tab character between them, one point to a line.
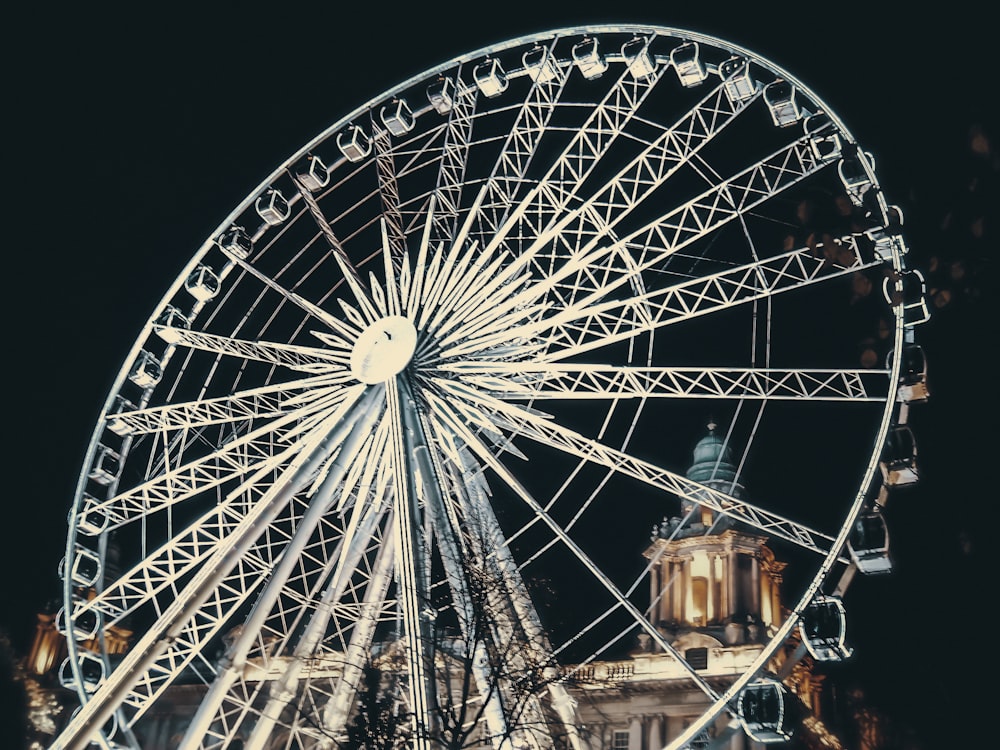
130	134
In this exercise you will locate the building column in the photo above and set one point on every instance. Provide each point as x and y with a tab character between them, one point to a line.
755	585
776	601
655	733
635	733
685	588
677	590
723	588
666	590
711	606
733	598
766	613
654	593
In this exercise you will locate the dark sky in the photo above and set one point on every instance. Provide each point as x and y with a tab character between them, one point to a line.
132	133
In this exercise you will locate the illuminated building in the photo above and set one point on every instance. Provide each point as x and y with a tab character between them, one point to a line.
715	593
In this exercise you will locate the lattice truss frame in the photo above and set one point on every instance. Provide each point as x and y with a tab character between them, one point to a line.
546	232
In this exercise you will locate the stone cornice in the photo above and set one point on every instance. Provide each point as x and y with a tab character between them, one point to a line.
728	541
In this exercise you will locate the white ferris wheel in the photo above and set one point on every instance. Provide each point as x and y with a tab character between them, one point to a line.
458	344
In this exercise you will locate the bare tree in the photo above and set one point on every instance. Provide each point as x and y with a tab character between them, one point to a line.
380	721
493	681
491	678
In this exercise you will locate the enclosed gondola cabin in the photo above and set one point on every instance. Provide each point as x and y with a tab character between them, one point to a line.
898	463
868	544
202	283
106	467
147	370
539	65
782	102
638	58
910	291
913	375
85	569
687	63
85	622
92	520
441	95
823	629
739	84
313	176
823	140
236	242
354	143
886	243
588	58
92	671
272	207
122	405
490	77
857	176
761	708
170	324
397	117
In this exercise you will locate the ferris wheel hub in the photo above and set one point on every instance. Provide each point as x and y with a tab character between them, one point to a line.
383	349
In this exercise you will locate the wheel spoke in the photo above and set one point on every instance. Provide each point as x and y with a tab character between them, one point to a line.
388	189
257	453
583	268
722	203
248	405
226	554
522	422
559	380
337	710
235	659
509	601
544	204
292	356
234	591
343	260
594	323
192	546
448	189
298	300
474	608
414	596
654	243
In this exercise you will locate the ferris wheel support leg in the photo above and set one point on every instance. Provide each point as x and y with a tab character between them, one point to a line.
284	688
414	590
93	714
235	659
470	620
338	708
490	532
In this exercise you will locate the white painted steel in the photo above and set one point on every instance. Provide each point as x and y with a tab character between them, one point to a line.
506	241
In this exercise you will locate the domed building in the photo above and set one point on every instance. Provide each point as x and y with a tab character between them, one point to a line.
715	595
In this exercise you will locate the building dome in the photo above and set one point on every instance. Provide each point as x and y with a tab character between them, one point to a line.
713	462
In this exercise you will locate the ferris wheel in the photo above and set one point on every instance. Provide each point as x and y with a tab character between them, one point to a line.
457	345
